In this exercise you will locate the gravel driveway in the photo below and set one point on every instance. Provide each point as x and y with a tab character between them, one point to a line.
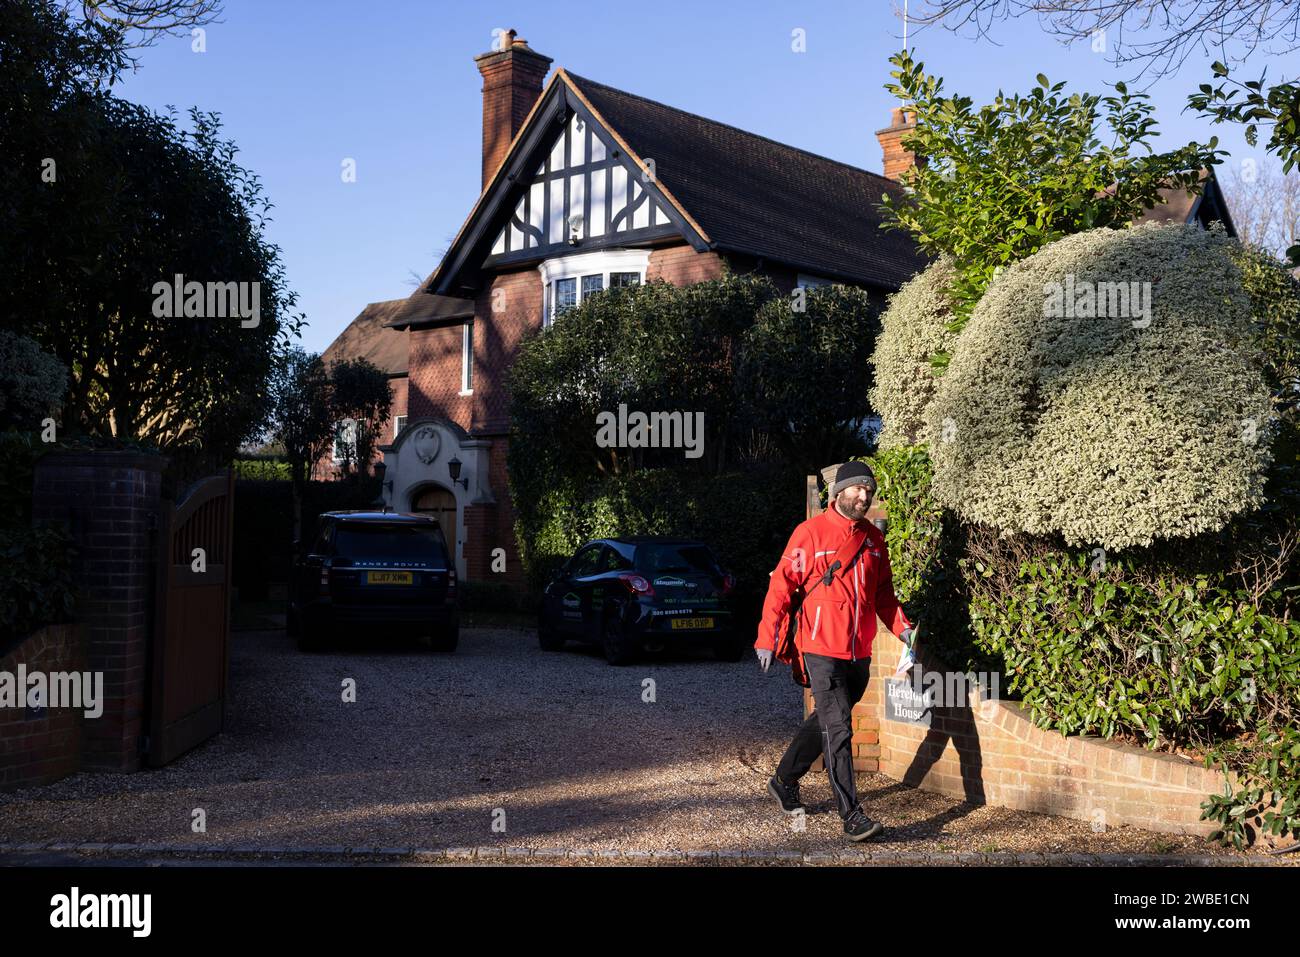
503	744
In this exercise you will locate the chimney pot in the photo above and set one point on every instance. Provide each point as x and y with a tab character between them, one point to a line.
897	160
512	82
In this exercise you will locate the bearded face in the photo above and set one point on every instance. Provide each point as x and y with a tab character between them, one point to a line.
855	501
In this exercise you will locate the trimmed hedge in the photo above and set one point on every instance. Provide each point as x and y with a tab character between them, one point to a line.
1188	644
1107	432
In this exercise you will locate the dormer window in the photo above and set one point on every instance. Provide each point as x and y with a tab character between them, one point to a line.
568	280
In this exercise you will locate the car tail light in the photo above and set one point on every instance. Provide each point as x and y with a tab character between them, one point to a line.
451	580
728	583
324	580
637	585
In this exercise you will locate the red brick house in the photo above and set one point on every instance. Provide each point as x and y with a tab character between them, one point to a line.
586	187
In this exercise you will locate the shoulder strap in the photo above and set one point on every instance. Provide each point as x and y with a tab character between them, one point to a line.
845	556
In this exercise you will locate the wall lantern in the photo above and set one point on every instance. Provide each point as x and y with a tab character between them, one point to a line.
453	467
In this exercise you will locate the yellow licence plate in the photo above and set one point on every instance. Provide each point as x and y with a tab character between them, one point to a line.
388	578
692	622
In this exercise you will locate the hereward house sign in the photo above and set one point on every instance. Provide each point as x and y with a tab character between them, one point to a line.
426	443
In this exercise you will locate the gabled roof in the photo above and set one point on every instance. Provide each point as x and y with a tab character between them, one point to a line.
754	195
368	337
1181	206
723	188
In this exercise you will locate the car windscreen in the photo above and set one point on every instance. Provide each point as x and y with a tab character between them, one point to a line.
655	558
406	543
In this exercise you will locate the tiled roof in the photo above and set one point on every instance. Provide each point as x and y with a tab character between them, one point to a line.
754	195
368	336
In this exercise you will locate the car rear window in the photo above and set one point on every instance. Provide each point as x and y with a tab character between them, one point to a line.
656	558
367	541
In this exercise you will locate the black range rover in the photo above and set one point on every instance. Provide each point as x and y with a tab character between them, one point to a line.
644	593
375	570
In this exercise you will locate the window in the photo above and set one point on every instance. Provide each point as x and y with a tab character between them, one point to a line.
615	561
467	359
566	295
399	423
812	282
568	280
586	562
345	441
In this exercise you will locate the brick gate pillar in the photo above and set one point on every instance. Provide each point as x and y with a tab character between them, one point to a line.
108	501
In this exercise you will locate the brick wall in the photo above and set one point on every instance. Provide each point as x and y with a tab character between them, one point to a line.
40	748
108	500
682	265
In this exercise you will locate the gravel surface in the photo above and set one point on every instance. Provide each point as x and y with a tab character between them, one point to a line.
503	744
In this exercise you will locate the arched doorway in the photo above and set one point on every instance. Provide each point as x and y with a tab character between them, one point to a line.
441	504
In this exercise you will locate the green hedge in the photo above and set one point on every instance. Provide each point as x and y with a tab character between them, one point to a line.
1191	644
36	587
744	516
263	470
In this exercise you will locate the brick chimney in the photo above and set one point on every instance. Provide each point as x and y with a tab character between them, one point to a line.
897	159
512	82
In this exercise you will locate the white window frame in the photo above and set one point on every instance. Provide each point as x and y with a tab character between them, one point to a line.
808	281
601	263
340	438
467	358
399	423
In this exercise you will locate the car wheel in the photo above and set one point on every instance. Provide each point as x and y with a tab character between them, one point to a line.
547	636
729	649
445	639
618	650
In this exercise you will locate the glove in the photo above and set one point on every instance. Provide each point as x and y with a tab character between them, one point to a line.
908	658
764	658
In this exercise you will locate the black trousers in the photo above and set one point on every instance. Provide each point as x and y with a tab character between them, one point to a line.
837	685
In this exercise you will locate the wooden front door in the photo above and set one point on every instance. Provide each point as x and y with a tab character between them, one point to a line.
441	504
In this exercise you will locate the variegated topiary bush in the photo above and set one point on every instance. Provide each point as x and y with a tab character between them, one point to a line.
1111	430
914	330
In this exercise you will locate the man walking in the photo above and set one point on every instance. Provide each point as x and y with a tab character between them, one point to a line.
837	622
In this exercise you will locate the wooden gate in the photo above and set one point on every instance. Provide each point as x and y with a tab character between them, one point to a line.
190	650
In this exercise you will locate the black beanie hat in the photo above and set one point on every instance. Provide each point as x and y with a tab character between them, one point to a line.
853	473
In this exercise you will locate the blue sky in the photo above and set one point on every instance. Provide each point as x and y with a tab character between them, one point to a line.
303	85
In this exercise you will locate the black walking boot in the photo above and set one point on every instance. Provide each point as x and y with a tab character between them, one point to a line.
787	794
859	827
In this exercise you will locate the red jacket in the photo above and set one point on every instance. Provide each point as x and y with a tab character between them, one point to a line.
836	620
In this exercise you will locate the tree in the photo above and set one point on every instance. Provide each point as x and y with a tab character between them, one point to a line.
107	202
804	373
1277	107
300	420
31	383
1005	179
1170	30
1167	30
143	22
359	400
1265	205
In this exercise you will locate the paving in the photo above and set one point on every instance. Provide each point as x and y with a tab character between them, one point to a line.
504	754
